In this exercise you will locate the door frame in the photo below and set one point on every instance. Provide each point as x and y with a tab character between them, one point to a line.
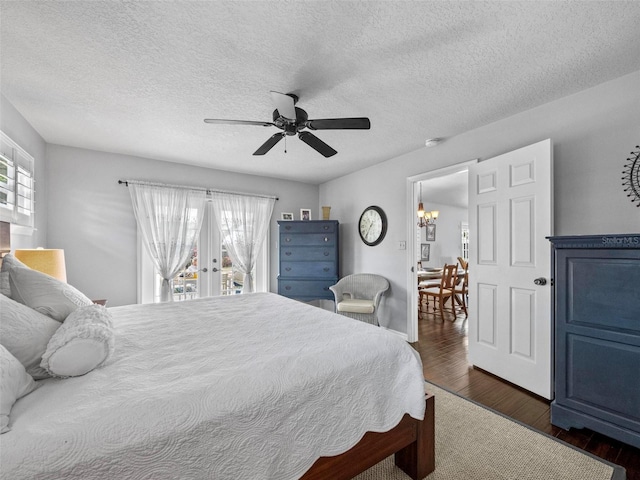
412	244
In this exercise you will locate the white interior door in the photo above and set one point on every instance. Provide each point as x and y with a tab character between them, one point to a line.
510	214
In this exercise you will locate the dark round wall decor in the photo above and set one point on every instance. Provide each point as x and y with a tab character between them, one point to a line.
631	177
372	225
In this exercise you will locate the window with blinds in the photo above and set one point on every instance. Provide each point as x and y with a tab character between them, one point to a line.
16	183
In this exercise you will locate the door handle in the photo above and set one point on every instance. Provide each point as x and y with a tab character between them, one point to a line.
540	281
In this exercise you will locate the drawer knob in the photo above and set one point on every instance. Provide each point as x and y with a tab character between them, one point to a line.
326	254
326	227
288	227
287	253
326	239
287	287
326	269
287	239
288	269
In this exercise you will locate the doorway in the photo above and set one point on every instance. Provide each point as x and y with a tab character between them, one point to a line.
446	191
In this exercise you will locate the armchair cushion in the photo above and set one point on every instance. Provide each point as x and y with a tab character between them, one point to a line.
356	305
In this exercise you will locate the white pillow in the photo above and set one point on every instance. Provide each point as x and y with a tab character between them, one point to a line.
83	342
8	262
25	333
44	293
15	383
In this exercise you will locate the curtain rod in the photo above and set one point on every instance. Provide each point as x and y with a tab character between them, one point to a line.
200	189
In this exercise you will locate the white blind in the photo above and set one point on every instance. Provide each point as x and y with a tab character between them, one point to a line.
16	183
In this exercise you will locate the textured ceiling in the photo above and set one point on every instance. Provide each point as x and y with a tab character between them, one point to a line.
138	78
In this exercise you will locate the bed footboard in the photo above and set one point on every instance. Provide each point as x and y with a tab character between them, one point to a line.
412	441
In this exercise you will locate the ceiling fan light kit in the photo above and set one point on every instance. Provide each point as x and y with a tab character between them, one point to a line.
293	120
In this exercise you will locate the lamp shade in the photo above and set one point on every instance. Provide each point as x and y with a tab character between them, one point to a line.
45	260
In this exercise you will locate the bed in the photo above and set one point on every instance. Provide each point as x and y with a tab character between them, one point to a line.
249	386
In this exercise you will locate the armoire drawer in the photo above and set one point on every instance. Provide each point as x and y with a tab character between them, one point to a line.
306	288
308	227
307	254
311	239
308	269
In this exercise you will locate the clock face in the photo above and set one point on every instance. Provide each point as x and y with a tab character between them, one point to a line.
372	225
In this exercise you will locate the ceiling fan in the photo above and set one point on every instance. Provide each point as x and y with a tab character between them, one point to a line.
291	120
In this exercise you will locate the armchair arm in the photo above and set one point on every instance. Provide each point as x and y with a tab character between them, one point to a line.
339	292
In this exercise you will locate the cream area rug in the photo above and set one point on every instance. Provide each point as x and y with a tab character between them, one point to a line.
473	442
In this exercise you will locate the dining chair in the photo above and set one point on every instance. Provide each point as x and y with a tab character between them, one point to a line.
461	293
464	264
461	290
423	285
444	291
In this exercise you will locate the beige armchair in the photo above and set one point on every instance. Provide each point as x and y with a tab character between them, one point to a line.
358	296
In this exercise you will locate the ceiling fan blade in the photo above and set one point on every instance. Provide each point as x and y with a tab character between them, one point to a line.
284	104
268	145
317	144
361	123
238	122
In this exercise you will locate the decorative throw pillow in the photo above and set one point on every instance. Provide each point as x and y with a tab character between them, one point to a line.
25	333
83	342
44	293
15	383
8	262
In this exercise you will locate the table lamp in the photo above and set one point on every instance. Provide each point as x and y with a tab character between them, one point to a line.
45	260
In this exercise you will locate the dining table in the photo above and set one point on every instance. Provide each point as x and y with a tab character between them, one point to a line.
429	274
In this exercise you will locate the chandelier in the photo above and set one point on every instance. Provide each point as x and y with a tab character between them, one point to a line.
425	218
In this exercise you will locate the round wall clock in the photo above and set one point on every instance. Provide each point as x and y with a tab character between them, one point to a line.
631	178
372	225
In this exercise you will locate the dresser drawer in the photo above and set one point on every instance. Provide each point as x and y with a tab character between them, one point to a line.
310	239
308	227
306	288
309	269
327	254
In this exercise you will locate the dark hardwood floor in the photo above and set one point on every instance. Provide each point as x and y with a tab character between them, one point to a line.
443	348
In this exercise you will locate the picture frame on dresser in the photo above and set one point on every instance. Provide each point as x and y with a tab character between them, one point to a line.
287	216
305	214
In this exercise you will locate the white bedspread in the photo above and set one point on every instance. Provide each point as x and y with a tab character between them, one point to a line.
242	387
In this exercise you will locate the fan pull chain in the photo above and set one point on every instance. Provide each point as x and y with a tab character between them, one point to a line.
285	144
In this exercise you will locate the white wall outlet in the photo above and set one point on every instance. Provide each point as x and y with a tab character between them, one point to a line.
402	245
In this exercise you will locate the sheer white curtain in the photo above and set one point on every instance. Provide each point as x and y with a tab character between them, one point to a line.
170	220
244	222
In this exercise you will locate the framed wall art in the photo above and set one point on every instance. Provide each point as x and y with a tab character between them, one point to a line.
431	232
425	251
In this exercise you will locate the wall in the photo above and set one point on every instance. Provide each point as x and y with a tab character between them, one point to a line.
592	132
91	217
448	244
20	131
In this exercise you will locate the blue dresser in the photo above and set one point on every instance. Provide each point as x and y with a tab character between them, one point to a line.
597	334
308	259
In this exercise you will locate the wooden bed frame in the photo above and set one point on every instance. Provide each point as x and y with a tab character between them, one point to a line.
412	441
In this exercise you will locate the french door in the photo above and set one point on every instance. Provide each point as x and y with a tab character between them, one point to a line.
208	272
